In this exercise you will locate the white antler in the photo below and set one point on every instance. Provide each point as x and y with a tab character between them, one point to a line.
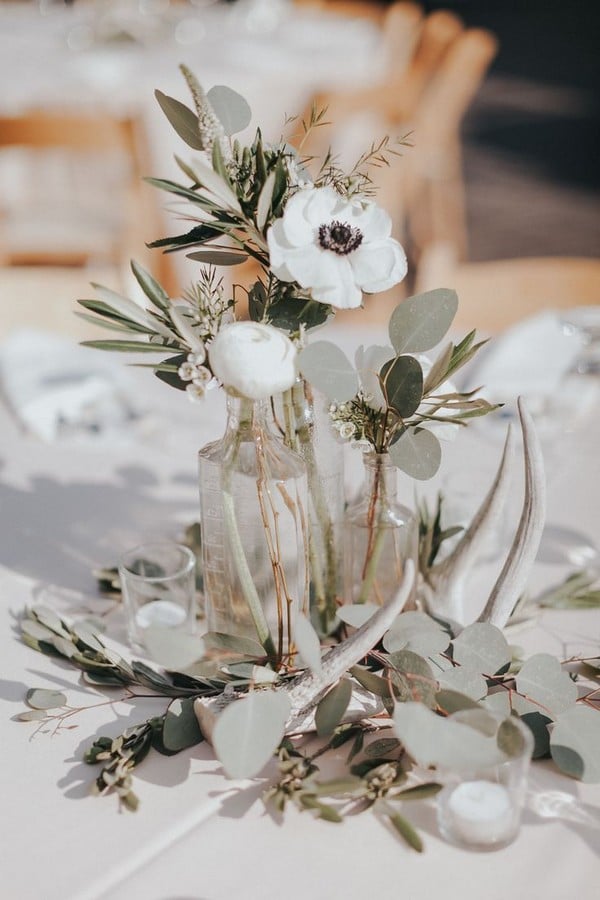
513	578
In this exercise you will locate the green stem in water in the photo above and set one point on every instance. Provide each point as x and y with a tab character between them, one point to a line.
372	564
241	565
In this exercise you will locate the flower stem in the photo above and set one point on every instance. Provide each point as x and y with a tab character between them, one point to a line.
372	563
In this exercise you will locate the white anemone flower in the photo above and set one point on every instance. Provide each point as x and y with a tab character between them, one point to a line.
335	248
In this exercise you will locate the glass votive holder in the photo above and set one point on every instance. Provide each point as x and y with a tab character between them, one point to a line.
159	588
480	808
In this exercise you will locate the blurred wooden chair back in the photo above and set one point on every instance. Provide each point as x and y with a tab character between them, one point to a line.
98	162
433	185
494	295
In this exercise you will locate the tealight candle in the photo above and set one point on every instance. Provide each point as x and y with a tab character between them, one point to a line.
160	612
481	812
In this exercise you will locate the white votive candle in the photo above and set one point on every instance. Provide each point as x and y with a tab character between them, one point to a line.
160	612
481	812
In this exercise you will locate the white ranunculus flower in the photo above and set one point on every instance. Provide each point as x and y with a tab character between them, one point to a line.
335	248
253	359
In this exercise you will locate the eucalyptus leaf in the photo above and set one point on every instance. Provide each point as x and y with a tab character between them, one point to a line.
538	725
416	631
451	701
402	384
575	741
37	630
435	741
414	677
482	648
232	110
181	729
171	648
41	698
356	614
464	680
329	370
420	322
183	120
217	640
331	709
418	453
308	643
32	715
249	730
543	680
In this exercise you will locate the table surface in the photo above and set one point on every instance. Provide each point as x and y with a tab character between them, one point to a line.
68	506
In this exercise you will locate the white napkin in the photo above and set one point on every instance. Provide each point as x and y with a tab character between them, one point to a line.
535	359
58	389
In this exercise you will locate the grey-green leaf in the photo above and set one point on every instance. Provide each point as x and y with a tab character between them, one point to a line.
183	120
249	730
482	648
407	832
420	322
418	632
307	642
464	680
232	110
575	743
171	648
332	707
218	257
543	680
329	370
402	384
41	698
217	640
418	453
181	728
356	614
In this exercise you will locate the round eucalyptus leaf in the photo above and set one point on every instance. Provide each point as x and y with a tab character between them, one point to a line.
543	680
330	711
172	649
356	614
418	453
307	642
32	715
435	741
538	725
451	701
402	383
420	322
233	111
418	632
181	729
248	731
329	370
464	680
574	743
413	677
481	647
41	698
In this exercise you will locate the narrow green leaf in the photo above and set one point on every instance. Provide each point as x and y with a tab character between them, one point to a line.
332	707
150	286
218	257
419	792
183	120
127	346
406	831
263	207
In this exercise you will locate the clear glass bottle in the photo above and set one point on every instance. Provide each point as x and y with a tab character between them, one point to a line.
380	535
303	418
254	528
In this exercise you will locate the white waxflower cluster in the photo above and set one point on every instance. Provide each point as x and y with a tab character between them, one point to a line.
340	419
197	374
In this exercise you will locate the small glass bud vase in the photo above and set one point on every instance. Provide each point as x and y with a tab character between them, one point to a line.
303	418
254	529
380	535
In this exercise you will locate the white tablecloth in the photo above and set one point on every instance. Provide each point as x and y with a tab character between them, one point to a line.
66	507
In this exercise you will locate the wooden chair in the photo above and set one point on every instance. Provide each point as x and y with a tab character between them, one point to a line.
107	145
494	295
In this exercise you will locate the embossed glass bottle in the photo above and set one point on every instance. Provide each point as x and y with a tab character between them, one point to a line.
380	535
253	518
303	420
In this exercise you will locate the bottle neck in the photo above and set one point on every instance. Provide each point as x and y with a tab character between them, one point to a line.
381	484
246	417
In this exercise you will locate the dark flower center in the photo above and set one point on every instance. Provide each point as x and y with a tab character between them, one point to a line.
340	237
